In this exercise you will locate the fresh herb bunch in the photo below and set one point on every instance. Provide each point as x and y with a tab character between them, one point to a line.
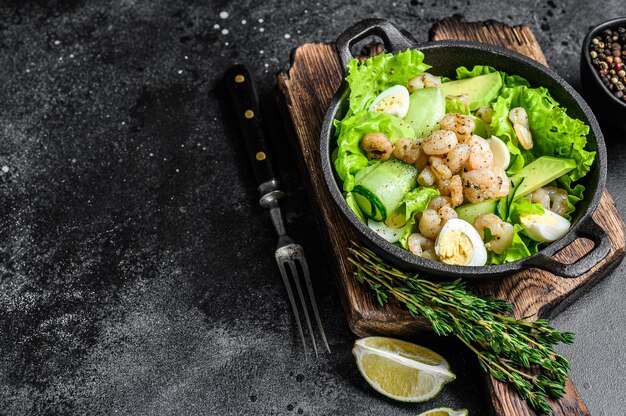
511	350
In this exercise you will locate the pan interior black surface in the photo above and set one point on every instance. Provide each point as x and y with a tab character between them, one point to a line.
445	57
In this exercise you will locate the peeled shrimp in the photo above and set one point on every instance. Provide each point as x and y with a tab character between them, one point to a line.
424	80
426	177
422	158
519	118
439	142
407	150
443	185
552	198
480	154
417	244
485	113
439	167
482	184
430	223
439	202
377	146
456	190
501	232
439	211
457	158
460	124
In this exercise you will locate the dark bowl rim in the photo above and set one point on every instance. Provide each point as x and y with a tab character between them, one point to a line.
585	53
437	268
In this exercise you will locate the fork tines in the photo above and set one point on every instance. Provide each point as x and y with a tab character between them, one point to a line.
288	258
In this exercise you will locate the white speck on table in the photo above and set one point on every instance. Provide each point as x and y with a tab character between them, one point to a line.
223	15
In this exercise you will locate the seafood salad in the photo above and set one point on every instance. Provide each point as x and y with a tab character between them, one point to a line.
472	171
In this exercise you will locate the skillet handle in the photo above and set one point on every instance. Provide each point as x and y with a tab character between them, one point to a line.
601	248
394	40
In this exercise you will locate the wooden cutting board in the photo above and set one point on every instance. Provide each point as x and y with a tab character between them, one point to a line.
307	88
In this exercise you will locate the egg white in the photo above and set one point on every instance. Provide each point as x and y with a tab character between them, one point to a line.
545	228
479	255
393	101
501	154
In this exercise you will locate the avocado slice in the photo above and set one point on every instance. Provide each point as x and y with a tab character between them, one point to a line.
540	172
427	106
469	212
481	89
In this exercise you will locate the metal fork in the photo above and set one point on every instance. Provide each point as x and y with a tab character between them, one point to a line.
289	255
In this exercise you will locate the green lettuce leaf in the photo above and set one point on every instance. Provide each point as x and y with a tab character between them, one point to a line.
554	132
415	201
350	158
521	207
374	75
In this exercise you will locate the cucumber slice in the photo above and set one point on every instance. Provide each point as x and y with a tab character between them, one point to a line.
469	212
354	206
379	192
390	234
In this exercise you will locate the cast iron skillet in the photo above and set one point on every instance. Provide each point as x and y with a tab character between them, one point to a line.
445	57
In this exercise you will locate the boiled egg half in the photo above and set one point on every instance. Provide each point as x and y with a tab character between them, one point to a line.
459	243
393	101
501	154
546	227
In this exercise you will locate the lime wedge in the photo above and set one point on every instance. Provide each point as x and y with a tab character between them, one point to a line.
401	370
444	411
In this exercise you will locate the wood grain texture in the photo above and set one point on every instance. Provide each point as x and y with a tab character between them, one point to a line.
519	38
307	88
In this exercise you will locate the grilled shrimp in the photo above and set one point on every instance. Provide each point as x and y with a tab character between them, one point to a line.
422	158
482	184
424	80
480	154
439	202
439	142
439	211
501	232
430	223
485	113
439	167
456	190
426	177
552	198
417	244
457	158
407	150
519	118
460	124
377	146
443	185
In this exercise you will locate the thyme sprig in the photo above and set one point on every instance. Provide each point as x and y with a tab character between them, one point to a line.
515	351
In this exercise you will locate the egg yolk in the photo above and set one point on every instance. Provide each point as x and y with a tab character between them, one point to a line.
455	248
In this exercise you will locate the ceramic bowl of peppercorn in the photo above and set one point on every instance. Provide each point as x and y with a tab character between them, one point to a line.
603	70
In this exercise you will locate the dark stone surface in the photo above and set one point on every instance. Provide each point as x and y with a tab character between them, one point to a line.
137	274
